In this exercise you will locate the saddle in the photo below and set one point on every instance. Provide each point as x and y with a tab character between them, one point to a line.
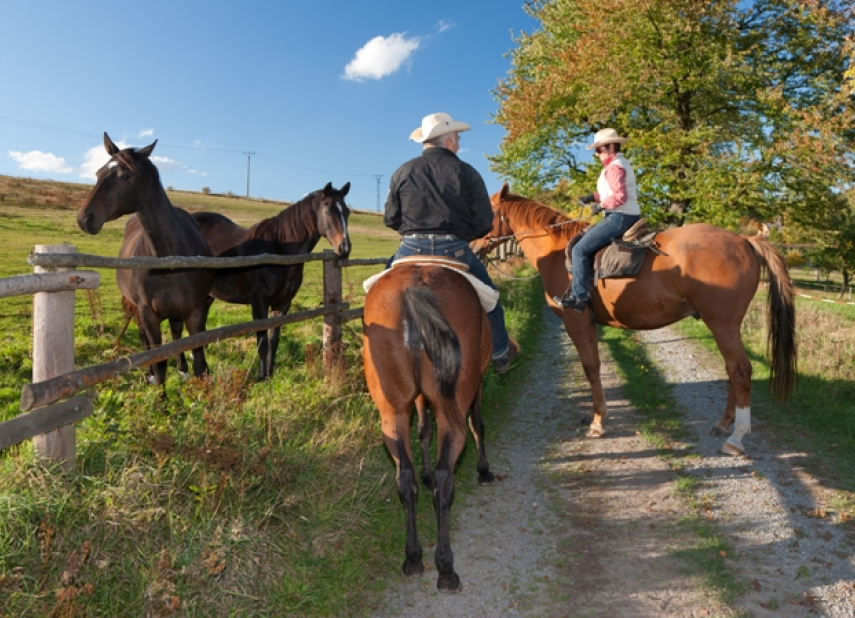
487	295
624	256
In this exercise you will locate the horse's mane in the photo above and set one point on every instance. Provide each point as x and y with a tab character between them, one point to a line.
294	223
540	217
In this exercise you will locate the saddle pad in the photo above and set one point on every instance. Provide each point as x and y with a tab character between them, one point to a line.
619	261
487	295
431	259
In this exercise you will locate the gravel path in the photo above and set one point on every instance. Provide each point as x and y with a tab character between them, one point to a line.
580	527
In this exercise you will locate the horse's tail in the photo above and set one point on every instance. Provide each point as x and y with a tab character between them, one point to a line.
434	334
131	313
781	345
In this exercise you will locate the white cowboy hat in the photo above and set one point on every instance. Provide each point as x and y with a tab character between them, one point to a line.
606	136
434	125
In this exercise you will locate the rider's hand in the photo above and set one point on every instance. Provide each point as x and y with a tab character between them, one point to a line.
587	199
595	209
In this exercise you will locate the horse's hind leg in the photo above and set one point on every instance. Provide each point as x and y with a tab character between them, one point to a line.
738	409
450	444
476	426
425	437
396	434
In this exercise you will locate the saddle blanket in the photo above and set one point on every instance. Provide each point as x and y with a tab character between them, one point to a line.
487	295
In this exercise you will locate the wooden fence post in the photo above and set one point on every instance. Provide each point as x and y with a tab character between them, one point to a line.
53	355
332	322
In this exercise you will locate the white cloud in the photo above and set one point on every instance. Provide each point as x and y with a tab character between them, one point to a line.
38	161
146	133
381	56
444	25
94	159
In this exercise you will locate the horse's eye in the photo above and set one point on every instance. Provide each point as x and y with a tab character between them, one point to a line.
125	176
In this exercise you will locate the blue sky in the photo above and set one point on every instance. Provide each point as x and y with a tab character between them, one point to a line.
320	91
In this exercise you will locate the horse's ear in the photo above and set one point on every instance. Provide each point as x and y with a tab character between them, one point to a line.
345	189
328	189
505	190
109	146
146	152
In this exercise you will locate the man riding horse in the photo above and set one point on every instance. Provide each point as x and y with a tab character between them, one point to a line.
438	204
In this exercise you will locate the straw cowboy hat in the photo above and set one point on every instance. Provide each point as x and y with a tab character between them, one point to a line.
606	136
434	125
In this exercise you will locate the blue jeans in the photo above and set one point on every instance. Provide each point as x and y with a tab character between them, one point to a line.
459	250
582	256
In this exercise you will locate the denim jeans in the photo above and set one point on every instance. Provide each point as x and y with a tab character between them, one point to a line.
582	256
459	250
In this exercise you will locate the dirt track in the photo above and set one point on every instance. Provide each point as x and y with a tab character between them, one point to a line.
580	527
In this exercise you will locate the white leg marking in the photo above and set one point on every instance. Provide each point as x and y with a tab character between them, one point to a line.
741	428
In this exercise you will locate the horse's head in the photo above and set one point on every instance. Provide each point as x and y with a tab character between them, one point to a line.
501	227
120	188
331	214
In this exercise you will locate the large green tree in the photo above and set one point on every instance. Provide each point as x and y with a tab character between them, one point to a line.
733	108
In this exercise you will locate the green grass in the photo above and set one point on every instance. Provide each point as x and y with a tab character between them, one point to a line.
225	497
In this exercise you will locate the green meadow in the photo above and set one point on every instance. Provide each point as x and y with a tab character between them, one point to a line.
225	497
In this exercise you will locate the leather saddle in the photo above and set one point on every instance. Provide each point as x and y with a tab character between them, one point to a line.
624	256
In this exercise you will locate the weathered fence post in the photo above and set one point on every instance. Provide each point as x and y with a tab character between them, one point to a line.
332	322
53	355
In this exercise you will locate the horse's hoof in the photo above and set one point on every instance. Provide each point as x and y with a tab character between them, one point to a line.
595	432
486	478
718	432
449	583
731	449
413	568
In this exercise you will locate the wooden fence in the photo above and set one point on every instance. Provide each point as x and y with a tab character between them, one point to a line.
50	421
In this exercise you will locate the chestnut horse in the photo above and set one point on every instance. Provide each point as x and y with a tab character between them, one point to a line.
705	272
295	230
426	341
129	184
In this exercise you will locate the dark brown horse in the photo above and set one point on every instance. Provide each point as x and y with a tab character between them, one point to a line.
295	230
426	342
129	184
706	273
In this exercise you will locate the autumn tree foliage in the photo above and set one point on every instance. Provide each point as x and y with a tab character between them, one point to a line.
733	108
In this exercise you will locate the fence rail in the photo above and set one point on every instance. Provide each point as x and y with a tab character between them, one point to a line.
51	424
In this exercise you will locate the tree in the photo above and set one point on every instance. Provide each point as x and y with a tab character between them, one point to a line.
732	108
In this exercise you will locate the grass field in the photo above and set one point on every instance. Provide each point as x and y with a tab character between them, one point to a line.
227	497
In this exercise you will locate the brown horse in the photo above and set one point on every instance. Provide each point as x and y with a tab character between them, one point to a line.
295	230
426	341
129	184
706	273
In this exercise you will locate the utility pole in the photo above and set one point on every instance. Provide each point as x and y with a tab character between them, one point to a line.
248	155
378	177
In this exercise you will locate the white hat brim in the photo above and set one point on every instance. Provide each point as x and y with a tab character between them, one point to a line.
613	140
455	126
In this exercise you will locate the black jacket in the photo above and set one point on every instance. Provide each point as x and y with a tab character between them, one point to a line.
437	193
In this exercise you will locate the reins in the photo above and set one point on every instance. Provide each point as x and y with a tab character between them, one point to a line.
527	233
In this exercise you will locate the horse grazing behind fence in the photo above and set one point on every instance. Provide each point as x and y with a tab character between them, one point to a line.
704	272
129	184
426	342
295	230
